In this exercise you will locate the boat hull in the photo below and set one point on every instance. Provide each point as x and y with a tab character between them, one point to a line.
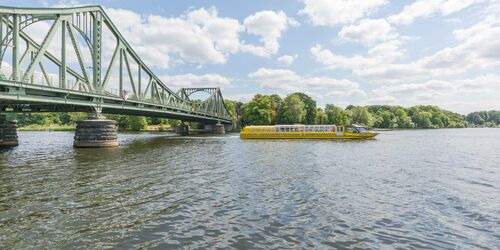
305	135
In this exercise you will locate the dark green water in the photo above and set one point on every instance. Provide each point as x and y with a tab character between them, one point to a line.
407	189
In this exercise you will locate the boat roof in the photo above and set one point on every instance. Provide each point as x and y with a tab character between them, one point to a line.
293	125
357	125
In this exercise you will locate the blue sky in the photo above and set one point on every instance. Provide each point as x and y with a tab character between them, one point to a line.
442	52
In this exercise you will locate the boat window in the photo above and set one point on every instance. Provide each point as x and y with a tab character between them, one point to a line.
360	129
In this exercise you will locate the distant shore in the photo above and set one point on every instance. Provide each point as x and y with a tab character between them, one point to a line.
55	127
156	128
398	129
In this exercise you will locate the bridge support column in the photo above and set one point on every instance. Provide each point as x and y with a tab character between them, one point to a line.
95	132
218	128
8	132
182	129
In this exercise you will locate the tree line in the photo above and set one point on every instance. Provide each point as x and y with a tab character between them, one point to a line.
124	122
301	108
295	108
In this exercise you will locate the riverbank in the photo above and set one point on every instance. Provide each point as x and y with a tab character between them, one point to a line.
149	128
56	127
167	128
36	127
406	129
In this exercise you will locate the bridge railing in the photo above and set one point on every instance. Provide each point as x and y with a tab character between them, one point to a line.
38	78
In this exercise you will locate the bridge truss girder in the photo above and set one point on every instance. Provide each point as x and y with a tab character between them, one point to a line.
25	87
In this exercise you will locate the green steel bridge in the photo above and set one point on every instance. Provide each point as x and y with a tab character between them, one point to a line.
80	62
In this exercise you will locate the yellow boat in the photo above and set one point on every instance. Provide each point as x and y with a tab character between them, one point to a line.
306	132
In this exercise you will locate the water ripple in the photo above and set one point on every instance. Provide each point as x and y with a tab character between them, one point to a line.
424	189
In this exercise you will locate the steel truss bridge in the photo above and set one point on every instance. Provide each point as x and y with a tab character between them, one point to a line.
82	63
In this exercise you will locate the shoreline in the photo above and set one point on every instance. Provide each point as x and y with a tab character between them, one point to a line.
32	128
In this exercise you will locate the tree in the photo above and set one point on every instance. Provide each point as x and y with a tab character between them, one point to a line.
231	109
422	119
321	117
388	120
136	123
276	108
258	111
337	115
310	106
402	118
438	120
76	116
360	115
294	109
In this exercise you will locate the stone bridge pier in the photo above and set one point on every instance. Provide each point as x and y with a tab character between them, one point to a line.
218	128
182	129
95	132
8	132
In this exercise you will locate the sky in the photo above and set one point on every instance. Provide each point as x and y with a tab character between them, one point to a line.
439	52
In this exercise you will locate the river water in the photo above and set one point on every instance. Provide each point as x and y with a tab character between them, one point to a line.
406	189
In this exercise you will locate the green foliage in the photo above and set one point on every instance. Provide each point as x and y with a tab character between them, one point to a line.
46	119
136	123
259	111
321	117
336	115
173	123
231	109
360	115
294	110
267	110
276	108
310	106
422	119
484	118
129	123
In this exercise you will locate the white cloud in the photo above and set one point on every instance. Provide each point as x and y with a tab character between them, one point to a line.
478	48
200	36
240	97
287	60
191	80
335	12
269	26
347	93
427	8
432	88
480	93
286	81
380	54
381	100
389	51
369	31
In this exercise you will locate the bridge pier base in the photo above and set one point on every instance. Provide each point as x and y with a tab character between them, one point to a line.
95	133
182	129
218	128
8	132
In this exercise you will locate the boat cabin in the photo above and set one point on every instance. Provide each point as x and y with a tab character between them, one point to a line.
359	128
307	129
